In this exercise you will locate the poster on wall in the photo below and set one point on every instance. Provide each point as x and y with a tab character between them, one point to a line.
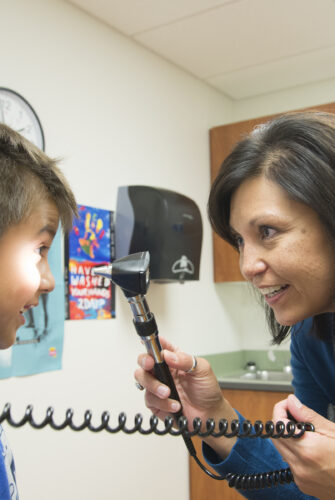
90	244
39	342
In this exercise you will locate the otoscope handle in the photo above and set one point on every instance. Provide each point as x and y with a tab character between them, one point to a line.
163	374
148	332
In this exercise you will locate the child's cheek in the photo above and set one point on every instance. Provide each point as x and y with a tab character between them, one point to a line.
27	270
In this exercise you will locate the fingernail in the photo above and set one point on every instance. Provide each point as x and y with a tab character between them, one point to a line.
162	391
175	406
296	401
144	363
174	357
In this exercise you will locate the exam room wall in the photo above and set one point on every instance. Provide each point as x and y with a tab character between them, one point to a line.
116	114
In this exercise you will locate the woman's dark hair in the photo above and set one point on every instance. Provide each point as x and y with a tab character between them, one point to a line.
297	152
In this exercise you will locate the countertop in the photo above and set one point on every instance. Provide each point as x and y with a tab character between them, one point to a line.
233	381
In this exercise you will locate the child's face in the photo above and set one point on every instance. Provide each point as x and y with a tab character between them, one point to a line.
24	267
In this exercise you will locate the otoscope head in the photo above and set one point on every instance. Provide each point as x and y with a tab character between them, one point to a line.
131	273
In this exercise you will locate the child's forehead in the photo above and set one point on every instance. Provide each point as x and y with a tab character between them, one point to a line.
44	217
38	228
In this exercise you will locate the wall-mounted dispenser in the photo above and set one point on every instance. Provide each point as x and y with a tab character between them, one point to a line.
166	224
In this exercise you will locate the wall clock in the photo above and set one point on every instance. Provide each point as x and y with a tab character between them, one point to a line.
17	113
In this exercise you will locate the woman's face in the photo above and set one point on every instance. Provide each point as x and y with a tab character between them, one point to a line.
285	251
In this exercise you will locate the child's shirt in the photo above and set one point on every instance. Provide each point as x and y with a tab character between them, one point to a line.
8	488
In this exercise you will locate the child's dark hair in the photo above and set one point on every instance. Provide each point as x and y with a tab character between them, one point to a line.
26	176
297	152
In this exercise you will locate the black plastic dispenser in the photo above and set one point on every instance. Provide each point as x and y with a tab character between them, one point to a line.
166	224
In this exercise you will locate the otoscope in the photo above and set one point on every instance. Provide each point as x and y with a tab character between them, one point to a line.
131	274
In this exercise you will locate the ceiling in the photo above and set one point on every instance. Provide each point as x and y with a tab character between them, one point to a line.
243	48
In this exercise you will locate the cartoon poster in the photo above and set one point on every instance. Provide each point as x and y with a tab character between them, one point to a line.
39	342
90	244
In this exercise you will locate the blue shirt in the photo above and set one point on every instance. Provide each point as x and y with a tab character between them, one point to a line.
313	369
8	489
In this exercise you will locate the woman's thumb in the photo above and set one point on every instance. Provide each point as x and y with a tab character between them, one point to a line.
302	413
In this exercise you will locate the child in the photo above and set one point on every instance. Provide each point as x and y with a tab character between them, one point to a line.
34	198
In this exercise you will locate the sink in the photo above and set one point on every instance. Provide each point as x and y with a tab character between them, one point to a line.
271	375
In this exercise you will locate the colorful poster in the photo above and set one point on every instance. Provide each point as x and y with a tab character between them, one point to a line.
39	343
90	244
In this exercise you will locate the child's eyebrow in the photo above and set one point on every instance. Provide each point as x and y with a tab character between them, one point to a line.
48	229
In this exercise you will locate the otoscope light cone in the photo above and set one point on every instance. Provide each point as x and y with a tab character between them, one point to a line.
105	271
131	273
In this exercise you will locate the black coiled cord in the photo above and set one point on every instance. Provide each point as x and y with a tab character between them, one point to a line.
235	429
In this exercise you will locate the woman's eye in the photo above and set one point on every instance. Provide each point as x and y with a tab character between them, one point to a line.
267	232
238	242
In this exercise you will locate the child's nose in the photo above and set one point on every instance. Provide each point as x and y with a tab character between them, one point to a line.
47	280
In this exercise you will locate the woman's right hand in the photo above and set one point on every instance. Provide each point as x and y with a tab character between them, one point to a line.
198	390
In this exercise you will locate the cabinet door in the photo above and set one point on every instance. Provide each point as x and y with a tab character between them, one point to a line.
222	140
254	405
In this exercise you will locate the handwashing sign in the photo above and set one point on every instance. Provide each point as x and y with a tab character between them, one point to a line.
90	244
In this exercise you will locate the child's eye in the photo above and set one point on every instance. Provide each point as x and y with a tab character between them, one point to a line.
42	249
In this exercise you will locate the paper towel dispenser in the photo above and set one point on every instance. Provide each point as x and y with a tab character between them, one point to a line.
166	224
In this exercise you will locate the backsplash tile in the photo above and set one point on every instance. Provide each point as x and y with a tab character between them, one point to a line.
229	362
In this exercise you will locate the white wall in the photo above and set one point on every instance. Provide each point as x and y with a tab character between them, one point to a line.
301	97
118	115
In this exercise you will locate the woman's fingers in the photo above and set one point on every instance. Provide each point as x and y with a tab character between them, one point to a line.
280	411
157	394
191	375
174	359
180	361
145	361
156	404
152	384
167	345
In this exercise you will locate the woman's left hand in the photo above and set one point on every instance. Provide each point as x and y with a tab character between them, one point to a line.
312	457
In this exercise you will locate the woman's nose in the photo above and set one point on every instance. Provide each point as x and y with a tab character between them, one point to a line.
47	279
251	263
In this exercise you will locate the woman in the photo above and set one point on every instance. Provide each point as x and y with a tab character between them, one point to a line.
274	200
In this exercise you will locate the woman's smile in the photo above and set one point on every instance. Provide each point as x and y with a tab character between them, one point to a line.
273	293
285	251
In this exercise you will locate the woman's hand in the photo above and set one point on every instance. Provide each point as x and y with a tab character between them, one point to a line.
312	457
199	391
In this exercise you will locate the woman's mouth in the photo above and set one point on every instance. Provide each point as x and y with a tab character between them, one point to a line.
273	292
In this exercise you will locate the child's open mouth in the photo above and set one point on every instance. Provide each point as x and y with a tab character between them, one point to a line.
26	308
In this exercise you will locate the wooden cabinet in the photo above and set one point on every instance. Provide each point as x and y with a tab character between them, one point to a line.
222	140
254	405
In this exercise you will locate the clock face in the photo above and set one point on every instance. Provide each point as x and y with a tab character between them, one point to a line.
17	113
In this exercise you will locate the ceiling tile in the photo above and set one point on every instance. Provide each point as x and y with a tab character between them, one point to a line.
242	34
241	47
135	16
278	75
